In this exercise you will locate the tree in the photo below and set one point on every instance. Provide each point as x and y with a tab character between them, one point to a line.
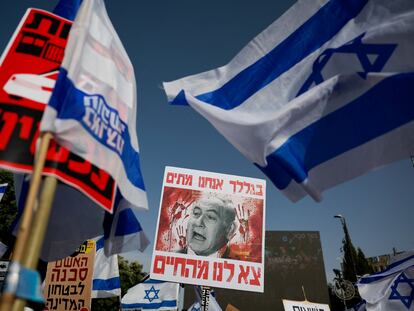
130	275
362	265
8	208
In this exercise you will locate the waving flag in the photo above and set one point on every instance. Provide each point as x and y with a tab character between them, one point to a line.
105	282
75	218
321	96
2	190
151	295
92	110
391	289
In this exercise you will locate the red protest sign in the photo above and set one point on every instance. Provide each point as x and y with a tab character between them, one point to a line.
29	69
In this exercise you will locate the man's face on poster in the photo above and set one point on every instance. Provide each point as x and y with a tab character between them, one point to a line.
209	226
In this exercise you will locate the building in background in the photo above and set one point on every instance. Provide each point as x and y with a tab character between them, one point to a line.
292	259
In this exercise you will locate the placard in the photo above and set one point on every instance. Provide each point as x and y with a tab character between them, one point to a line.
210	230
68	283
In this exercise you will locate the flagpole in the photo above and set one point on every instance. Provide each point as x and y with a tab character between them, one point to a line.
8	298
38	230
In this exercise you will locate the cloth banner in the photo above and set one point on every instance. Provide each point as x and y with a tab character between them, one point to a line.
105	282
92	110
321	96
391	289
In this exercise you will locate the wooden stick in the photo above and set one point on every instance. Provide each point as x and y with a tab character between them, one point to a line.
7	299
38	231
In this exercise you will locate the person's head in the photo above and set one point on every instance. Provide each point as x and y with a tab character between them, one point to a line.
211	225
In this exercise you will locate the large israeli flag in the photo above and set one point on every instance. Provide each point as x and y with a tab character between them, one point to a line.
321	96
391	289
92	110
151	295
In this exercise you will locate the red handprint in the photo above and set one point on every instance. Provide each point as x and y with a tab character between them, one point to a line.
182	242
244	221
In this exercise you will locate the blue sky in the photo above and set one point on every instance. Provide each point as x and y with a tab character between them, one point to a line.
167	40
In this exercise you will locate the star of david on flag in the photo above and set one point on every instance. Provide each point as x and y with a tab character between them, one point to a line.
312	101
151	295
391	289
403	293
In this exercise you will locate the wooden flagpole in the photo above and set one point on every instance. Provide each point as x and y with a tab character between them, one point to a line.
38	231
8	299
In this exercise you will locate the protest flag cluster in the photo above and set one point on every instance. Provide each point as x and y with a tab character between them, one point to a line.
104	83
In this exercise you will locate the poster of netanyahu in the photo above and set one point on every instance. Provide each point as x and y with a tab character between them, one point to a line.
210	230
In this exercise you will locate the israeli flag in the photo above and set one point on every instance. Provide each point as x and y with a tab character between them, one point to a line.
92	110
3	188
323	95
75	218
105	281
391	289
151	295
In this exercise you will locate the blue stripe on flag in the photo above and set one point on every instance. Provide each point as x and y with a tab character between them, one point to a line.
127	223
100	243
151	281
67	8
65	89
383	274
385	107
107	284
164	303
3	189
327	22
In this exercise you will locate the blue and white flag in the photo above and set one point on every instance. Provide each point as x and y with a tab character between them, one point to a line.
391	289
75	218
2	190
151	295
92	110
321	96
105	281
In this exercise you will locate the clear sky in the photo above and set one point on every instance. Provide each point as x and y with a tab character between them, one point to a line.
167	40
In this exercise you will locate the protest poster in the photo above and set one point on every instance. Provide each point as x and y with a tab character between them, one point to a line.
291	305
210	230
68	282
29	69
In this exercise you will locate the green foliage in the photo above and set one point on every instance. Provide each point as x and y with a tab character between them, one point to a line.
130	275
360	264
8	207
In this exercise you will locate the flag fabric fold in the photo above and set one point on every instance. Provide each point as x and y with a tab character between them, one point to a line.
151	295
314	100
75	218
92	110
105	281
391	289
